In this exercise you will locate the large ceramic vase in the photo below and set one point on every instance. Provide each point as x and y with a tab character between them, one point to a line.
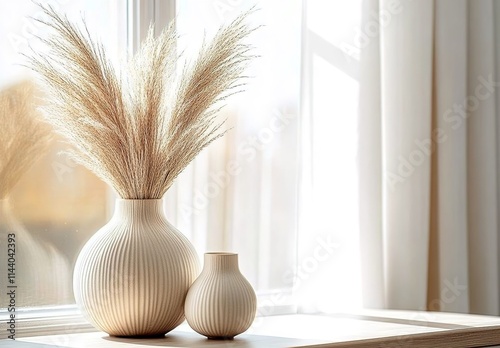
221	303
132	276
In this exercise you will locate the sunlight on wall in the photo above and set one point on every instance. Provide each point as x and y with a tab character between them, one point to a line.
328	268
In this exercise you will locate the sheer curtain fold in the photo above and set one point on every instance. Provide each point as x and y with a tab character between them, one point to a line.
448	224
406	86
428	156
240	194
370	167
482	171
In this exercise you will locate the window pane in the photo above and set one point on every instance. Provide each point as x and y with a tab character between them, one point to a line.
329	269
241	194
55	206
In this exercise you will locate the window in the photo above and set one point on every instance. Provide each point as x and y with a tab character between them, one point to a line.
257	191
328	264
241	194
56	205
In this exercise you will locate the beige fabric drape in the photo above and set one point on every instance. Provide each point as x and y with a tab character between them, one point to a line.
429	144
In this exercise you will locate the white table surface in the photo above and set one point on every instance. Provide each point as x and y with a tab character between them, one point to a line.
375	328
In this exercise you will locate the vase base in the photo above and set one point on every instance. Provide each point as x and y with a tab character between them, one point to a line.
139	336
221	338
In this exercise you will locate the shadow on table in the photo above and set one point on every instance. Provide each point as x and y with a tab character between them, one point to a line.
192	340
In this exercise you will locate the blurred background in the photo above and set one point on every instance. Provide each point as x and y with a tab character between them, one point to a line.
224	200
361	169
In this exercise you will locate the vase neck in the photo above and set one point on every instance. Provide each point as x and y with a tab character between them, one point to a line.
138	209
221	262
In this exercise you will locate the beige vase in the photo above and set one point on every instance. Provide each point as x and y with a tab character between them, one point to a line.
221	303
132	276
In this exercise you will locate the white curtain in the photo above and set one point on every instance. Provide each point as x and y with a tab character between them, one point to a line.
428	155
240	194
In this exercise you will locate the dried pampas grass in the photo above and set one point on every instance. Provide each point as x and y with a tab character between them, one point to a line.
23	136
139	129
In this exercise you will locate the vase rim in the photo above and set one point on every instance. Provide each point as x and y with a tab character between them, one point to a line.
138	199
221	253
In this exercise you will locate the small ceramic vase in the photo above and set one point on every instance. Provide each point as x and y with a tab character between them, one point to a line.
221	303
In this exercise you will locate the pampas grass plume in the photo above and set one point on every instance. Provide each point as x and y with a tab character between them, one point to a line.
138	128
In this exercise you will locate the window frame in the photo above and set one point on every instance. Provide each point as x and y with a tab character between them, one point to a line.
68	319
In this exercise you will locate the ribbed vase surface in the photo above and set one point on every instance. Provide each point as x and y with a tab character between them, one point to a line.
132	276
221	303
